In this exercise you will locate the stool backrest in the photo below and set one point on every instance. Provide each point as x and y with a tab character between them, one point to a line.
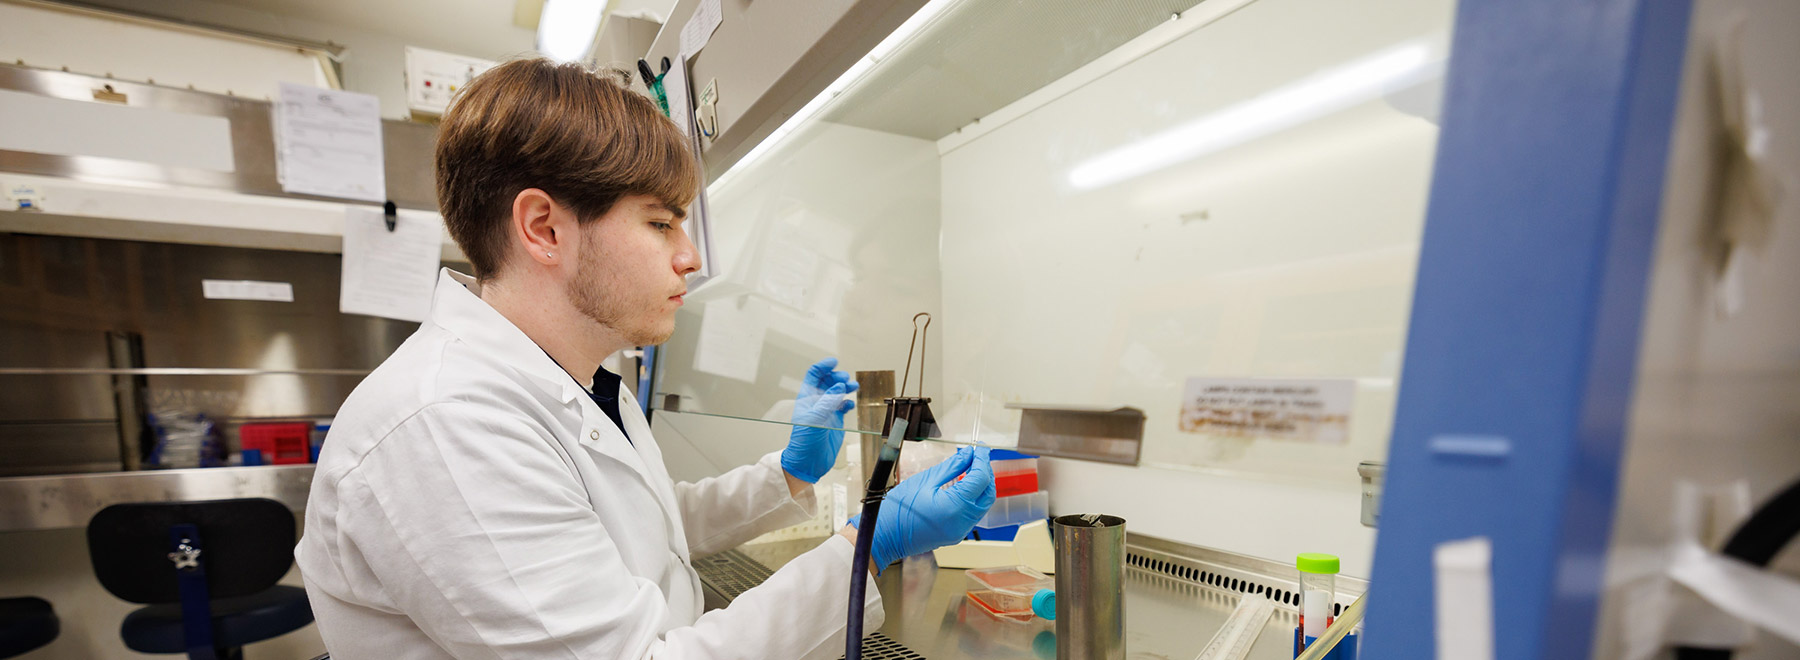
246	546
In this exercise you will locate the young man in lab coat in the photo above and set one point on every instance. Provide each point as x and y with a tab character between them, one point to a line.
491	492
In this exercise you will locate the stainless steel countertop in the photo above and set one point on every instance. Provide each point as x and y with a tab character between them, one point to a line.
1165	618
927	612
51	502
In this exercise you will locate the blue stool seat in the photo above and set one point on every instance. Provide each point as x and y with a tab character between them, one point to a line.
25	624
236	621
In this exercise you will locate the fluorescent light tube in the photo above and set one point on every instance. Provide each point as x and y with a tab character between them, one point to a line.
894	41
1302	101
566	28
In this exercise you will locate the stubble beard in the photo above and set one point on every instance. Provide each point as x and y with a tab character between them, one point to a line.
602	301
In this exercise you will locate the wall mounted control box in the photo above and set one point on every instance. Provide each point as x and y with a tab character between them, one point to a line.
433	77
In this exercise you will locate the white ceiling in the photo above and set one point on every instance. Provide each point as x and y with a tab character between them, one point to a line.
484	25
639	8
476	27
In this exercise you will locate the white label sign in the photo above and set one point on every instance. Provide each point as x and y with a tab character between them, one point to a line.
1285	409
247	290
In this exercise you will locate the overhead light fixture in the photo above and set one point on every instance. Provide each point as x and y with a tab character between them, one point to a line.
1307	99
566	28
888	45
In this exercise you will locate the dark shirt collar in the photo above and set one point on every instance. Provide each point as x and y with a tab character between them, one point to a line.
605	394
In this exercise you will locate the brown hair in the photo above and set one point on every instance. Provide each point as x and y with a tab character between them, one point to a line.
581	137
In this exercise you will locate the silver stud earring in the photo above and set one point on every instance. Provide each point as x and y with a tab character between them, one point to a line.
547	254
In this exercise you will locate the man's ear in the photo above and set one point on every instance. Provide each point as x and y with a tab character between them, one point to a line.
538	226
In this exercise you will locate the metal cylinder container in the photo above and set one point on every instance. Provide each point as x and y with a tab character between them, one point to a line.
1090	587
873	389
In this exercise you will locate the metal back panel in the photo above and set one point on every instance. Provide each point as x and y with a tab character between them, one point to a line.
59	297
1521	351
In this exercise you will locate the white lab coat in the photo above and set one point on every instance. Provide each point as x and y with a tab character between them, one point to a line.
473	502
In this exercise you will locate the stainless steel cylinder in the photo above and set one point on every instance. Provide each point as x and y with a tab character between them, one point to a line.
1090	587
873	388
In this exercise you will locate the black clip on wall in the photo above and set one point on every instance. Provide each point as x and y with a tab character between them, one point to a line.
390	214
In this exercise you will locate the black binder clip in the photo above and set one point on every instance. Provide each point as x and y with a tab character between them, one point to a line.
916	410
391	214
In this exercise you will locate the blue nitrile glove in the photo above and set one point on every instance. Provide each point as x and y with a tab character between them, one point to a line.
931	509
823	399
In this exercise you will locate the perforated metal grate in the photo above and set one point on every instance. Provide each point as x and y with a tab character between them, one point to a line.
1220	577
731	572
882	647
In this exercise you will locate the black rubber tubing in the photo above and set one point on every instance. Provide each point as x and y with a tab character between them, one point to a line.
1756	542
859	577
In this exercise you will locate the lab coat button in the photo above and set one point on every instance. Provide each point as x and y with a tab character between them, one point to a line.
594	434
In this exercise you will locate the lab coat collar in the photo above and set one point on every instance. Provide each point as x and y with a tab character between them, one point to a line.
458	308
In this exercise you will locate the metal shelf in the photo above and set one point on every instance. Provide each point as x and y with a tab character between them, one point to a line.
60	501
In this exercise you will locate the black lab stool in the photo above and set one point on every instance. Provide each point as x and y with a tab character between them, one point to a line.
26	624
206	570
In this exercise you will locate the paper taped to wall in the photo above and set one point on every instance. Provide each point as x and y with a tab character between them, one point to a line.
699	28
731	338
328	142
788	271
1286	409
390	274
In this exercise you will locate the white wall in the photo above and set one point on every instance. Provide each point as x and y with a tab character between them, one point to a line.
1289	254
1716	397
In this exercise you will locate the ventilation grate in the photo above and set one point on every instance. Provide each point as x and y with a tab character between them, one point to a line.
1221	577
731	572
882	647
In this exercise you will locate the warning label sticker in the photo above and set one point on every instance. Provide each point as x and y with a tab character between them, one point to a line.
1284	409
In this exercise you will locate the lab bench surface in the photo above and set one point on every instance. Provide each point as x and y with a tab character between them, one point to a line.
1165	618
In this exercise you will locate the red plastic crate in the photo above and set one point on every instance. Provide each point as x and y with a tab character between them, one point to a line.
1015	483
281	443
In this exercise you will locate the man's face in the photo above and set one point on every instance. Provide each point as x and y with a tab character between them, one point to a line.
633	269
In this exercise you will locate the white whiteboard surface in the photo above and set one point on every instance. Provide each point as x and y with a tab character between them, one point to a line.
64	127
